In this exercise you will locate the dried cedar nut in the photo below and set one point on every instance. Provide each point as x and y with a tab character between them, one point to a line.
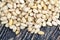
10	22
41	32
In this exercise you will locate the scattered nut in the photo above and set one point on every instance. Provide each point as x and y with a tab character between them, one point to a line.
30	14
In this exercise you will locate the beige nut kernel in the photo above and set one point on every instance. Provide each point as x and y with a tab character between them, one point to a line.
9	5
14	5
30	11
54	23
49	23
17	11
14	22
22	27
35	10
30	19
23	24
41	32
44	23
44	17
33	30
26	16
42	4
18	24
30	29
45	7
10	22
18	28
58	22
36	31
23	20
38	20
31	14
6	25
23	13
2	4
17	32
21	1
34	7
39	15
14	29
9	15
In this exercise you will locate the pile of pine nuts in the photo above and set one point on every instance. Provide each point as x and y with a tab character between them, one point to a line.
30	14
